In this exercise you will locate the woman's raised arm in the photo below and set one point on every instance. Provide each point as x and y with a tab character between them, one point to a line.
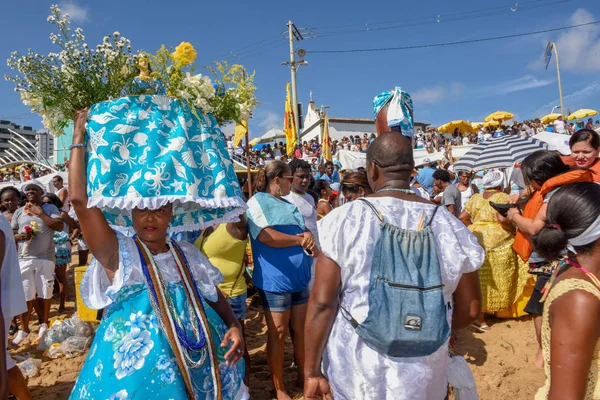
99	236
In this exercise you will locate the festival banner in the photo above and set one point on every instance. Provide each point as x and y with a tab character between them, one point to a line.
289	124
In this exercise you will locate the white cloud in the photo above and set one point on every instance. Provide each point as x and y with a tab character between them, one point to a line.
269	120
511	86
573	100
436	94
228	130
430	95
76	13
579	48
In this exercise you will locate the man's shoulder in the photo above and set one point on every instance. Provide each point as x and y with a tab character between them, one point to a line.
50	208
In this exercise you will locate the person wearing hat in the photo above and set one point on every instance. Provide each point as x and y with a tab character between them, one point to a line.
34	226
425	176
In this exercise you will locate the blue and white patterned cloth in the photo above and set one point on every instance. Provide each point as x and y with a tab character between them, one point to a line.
150	150
400	110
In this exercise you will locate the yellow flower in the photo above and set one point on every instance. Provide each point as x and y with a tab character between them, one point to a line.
185	54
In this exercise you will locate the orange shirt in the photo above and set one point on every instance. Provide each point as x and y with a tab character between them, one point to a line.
595	167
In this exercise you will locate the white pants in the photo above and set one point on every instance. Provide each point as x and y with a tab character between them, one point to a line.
10	363
38	278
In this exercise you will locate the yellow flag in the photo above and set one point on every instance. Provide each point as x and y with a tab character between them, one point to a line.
289	124
326	144
241	128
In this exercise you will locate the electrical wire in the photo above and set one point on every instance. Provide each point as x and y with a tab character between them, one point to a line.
422	46
436	20
519	4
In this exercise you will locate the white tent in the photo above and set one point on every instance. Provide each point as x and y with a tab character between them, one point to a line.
354	160
272	135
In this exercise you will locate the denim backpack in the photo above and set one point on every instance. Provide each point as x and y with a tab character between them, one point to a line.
407	312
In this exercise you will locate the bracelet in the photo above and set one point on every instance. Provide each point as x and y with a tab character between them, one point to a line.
76	145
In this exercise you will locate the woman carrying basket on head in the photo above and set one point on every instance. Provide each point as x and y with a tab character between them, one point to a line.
167	331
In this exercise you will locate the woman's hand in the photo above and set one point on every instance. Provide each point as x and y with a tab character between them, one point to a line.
33	209
511	213
308	240
514	199
24	236
236	352
317	387
79	128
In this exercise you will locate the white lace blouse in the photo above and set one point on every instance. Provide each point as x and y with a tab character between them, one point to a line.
98	292
348	235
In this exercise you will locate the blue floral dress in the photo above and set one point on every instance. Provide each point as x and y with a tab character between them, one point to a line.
130	357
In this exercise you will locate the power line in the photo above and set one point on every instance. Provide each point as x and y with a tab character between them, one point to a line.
516	7
422	46
476	14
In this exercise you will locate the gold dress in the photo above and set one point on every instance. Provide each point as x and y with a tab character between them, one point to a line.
563	287
503	275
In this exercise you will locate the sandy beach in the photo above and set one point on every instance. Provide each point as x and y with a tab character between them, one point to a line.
501	360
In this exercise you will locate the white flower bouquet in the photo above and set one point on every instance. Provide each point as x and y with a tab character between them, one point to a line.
78	76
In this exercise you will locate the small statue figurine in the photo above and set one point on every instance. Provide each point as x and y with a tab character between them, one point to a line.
145	82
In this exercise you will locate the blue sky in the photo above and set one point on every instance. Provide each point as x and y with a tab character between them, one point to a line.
457	82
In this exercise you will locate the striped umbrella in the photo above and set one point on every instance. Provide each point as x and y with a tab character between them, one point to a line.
502	152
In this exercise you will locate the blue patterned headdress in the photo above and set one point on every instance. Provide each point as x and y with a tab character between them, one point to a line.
399	111
148	151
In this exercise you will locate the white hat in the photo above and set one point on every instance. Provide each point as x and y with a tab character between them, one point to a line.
33	182
426	160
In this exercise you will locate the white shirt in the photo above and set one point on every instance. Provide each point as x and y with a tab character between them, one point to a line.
348	235
98	292
230	144
13	296
559	126
306	204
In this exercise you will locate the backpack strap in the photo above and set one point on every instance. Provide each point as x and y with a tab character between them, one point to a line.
377	213
432	216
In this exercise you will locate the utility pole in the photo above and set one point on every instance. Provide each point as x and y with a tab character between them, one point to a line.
294	34
547	56
562	106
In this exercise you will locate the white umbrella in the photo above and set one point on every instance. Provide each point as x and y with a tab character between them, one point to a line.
556	142
502	152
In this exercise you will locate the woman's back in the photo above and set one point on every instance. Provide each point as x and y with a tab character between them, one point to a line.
559	289
480	209
485	226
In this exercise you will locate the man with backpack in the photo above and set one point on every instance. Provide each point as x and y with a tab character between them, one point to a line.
388	287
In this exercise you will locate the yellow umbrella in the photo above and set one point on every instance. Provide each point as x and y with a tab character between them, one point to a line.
499	116
254	142
476	125
549	118
461	125
579	114
491	124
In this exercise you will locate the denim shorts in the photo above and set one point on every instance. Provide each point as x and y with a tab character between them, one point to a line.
280	302
238	305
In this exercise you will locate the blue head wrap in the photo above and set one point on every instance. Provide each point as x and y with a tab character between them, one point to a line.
399	111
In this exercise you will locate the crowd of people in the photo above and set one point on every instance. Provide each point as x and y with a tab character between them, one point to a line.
369	270
431	140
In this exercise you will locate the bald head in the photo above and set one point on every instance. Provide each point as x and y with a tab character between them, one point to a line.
392	153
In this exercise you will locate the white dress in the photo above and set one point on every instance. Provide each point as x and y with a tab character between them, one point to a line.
348	235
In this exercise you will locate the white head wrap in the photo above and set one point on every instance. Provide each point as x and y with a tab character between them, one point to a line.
590	235
493	179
